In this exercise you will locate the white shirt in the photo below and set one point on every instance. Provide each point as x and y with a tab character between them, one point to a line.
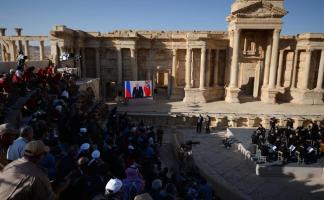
15	150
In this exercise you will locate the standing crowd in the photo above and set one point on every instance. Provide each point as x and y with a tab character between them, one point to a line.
57	142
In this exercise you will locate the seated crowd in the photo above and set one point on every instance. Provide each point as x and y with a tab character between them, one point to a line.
304	143
57	142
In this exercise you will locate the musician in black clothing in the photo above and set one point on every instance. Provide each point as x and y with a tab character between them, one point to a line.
290	123
273	122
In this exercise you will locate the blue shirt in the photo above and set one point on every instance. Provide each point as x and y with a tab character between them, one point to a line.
15	150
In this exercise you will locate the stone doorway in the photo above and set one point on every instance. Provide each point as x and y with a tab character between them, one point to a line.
110	91
249	81
162	84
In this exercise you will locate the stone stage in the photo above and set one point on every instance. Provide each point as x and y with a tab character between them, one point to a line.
223	114
233	176
242	142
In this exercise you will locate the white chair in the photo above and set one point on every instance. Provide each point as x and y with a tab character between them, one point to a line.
280	156
260	158
300	160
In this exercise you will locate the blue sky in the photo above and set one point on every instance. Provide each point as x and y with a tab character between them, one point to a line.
37	17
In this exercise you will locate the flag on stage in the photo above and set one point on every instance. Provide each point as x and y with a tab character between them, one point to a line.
128	89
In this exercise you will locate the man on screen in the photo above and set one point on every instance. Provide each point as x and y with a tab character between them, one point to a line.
137	91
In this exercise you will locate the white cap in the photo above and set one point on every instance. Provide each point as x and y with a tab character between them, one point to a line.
95	154
84	146
65	94
151	141
274	148
19	73
131	147
83	130
113	185
59	108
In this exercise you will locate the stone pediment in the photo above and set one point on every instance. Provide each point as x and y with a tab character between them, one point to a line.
259	9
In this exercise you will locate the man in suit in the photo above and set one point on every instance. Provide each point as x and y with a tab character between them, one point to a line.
199	123
137	91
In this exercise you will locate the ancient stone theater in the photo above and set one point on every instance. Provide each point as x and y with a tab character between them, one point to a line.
251	61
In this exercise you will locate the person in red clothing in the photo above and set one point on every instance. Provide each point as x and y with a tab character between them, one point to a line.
147	89
17	78
4	84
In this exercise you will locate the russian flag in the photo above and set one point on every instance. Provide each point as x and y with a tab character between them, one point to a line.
128	89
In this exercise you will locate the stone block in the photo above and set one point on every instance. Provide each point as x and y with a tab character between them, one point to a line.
232	95
195	95
269	95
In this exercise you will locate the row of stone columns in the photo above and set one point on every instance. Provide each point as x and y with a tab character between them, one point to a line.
203	77
120	65
14	48
307	67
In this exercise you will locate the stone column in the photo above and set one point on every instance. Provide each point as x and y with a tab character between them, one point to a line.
267	66
235	59
208	68
41	50
3	33
281	56
320	72
120	67
18	32
202	68
174	68
77	61
216	70
83	68
12	50
98	62
26	48
304	84
134	63
294	74
232	90
274	58
188	72
3	55
148	75
54	53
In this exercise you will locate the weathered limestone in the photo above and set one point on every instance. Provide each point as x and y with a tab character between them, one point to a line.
41	50
173	70
202	69
281	56
83	63
252	61
26	47
134	63
18	32
233	90
119	66
267	66
187	71
12	50
98	63
3	50
320	72
216	69
305	81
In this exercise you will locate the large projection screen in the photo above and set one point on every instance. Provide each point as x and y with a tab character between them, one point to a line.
138	89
